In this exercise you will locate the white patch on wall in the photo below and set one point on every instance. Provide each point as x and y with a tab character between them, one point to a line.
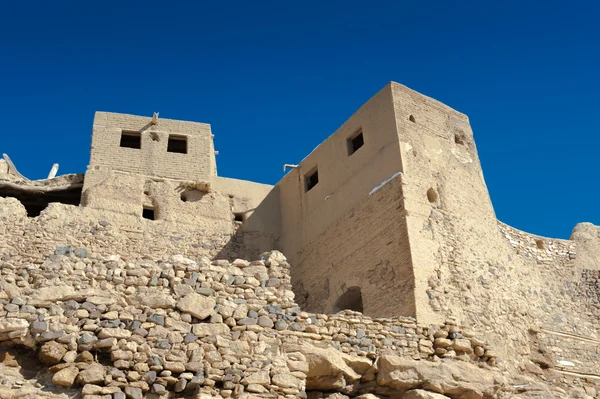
406	147
566	363
462	155
383	183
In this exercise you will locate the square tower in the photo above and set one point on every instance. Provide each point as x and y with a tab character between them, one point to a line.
163	148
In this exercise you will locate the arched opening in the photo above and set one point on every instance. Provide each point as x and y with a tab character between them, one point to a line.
351	300
432	195
412	119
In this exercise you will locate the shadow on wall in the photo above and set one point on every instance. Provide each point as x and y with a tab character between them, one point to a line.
351	300
36	199
256	230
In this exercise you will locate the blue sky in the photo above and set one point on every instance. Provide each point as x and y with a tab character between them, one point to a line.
276	78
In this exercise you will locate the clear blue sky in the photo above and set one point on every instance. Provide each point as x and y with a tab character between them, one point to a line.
276	78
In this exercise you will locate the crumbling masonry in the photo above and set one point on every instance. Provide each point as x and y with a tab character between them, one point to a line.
351	216
389	216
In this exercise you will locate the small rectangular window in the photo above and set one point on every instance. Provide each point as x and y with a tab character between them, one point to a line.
131	139
148	213
239	217
311	180
177	144
355	142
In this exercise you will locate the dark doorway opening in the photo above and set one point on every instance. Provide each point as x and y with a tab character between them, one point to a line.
351	300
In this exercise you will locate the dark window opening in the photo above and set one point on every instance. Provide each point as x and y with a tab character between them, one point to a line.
131	140
239	217
539	244
148	213
355	142
177	144
351	299
459	139
412	119
183	196
311	180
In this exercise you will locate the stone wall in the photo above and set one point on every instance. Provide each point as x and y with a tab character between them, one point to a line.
530	299
119	326
366	249
66	225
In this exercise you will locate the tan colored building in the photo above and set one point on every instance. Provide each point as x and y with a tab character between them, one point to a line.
354	217
356	212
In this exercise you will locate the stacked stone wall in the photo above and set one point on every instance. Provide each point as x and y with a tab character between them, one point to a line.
113	317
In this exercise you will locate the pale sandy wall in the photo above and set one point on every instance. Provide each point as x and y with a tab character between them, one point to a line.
122	196
445	195
3	167
343	180
259	205
366	248
152	159
587	237
254	200
111	191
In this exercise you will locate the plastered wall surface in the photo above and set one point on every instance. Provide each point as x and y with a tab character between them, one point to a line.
443	185
344	179
366	248
153	159
257	203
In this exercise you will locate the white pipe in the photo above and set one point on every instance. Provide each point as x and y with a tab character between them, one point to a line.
287	165
53	171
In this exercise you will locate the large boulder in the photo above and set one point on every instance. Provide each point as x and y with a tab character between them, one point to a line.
65	377
51	353
197	305
459	380
328	368
94	374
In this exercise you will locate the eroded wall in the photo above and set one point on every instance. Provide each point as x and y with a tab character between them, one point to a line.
122	197
366	248
256	211
446	197
320	232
